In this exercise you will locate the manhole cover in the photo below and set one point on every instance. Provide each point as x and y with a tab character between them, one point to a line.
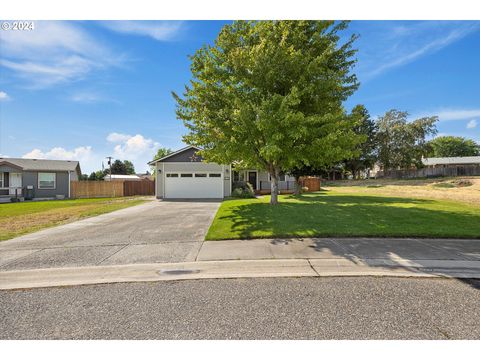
178	272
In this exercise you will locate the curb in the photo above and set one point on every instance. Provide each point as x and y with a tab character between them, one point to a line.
230	269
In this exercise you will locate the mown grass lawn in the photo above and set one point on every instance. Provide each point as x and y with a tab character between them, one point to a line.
333	213
25	217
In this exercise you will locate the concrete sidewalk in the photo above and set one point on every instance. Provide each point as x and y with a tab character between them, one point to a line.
458	258
396	250
23	279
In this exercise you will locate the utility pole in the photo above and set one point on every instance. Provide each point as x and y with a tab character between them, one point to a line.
110	164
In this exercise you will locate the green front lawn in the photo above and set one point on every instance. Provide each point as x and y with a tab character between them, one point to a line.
25	217
333	213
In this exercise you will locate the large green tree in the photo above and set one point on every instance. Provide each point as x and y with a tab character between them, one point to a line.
269	94
119	168
450	146
367	149
162	152
402	144
129	168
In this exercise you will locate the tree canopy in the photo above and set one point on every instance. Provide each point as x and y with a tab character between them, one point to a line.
367	149
450	146
269	94
122	168
129	168
161	152
402	144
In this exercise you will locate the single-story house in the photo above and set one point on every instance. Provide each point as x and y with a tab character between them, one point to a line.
146	176
119	177
184	175
37	178
435	162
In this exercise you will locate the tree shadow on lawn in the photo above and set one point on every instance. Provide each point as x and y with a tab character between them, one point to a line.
319	215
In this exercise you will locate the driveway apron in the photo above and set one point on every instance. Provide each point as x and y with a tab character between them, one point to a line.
157	231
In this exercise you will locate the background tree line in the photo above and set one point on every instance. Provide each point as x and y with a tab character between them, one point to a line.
118	168
392	142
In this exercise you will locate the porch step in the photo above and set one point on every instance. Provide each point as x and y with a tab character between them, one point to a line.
6	199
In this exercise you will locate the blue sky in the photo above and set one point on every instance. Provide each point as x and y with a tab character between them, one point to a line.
87	90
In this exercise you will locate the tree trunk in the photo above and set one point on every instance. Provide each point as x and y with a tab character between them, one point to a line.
298	186
274	188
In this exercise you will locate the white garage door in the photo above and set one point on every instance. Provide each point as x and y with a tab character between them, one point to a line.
193	185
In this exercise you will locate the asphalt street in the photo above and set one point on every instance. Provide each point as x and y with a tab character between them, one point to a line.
281	308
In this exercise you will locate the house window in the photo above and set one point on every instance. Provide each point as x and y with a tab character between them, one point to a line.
281	177
46	180
215	175
1	179
238	176
172	175
200	175
186	175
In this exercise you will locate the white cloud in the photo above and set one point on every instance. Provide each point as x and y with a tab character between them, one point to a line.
55	52
59	153
88	97
450	114
85	97
89	161
472	124
384	47
117	137
136	148
158	30
458	114
4	96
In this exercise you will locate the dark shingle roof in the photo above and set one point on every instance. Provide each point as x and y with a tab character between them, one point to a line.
42	165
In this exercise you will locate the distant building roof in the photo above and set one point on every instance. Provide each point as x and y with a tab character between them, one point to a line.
43	165
451	160
121	177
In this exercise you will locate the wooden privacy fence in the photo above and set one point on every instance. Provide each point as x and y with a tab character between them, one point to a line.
144	187
92	189
312	183
452	171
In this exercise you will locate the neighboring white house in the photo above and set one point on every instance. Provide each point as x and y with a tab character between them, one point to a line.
184	175
451	161
122	177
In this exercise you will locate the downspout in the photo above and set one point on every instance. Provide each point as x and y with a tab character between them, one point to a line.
163	180
69	174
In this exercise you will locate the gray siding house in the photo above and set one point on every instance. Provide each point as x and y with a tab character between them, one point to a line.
43	179
184	175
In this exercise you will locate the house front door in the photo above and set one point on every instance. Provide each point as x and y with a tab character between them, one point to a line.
252	179
15	183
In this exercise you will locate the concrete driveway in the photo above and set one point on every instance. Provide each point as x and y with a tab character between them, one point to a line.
157	231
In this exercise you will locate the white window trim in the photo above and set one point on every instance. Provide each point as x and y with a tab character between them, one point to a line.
54	181
285	177
2	178
257	177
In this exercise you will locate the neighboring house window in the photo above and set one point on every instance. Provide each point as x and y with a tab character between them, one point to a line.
46	180
238	176
281	177
1	179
